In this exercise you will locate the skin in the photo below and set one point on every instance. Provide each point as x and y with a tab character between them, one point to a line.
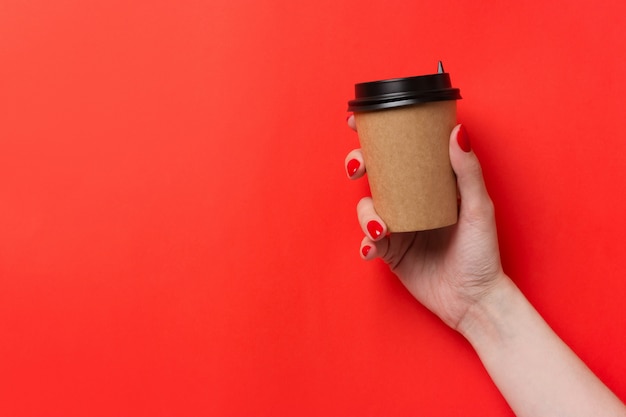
457	274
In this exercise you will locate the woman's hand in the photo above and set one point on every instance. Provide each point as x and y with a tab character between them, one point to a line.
456	273
450	269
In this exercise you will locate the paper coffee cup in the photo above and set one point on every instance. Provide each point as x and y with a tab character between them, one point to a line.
404	126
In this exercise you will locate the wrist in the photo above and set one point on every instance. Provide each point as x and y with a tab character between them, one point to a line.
486	317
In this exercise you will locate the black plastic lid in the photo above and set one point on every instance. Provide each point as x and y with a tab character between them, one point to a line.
396	92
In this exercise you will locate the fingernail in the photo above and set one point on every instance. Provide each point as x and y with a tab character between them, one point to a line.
365	250
375	229
353	167
463	139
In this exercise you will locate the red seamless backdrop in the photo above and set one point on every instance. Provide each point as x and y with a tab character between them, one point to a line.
178	237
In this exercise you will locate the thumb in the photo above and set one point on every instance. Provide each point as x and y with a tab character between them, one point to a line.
475	200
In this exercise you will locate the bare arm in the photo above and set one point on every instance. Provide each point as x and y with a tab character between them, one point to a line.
537	373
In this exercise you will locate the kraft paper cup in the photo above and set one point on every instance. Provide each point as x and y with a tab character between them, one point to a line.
404	127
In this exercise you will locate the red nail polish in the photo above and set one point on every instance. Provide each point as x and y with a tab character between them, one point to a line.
375	229
463	139
365	250
353	167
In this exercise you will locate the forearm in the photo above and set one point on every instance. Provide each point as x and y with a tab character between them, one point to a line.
535	371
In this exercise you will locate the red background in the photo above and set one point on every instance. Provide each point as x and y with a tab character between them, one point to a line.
178	237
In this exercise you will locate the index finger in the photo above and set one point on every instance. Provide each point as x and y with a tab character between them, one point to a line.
352	122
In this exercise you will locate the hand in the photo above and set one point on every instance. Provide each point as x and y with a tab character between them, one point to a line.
456	273
449	269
